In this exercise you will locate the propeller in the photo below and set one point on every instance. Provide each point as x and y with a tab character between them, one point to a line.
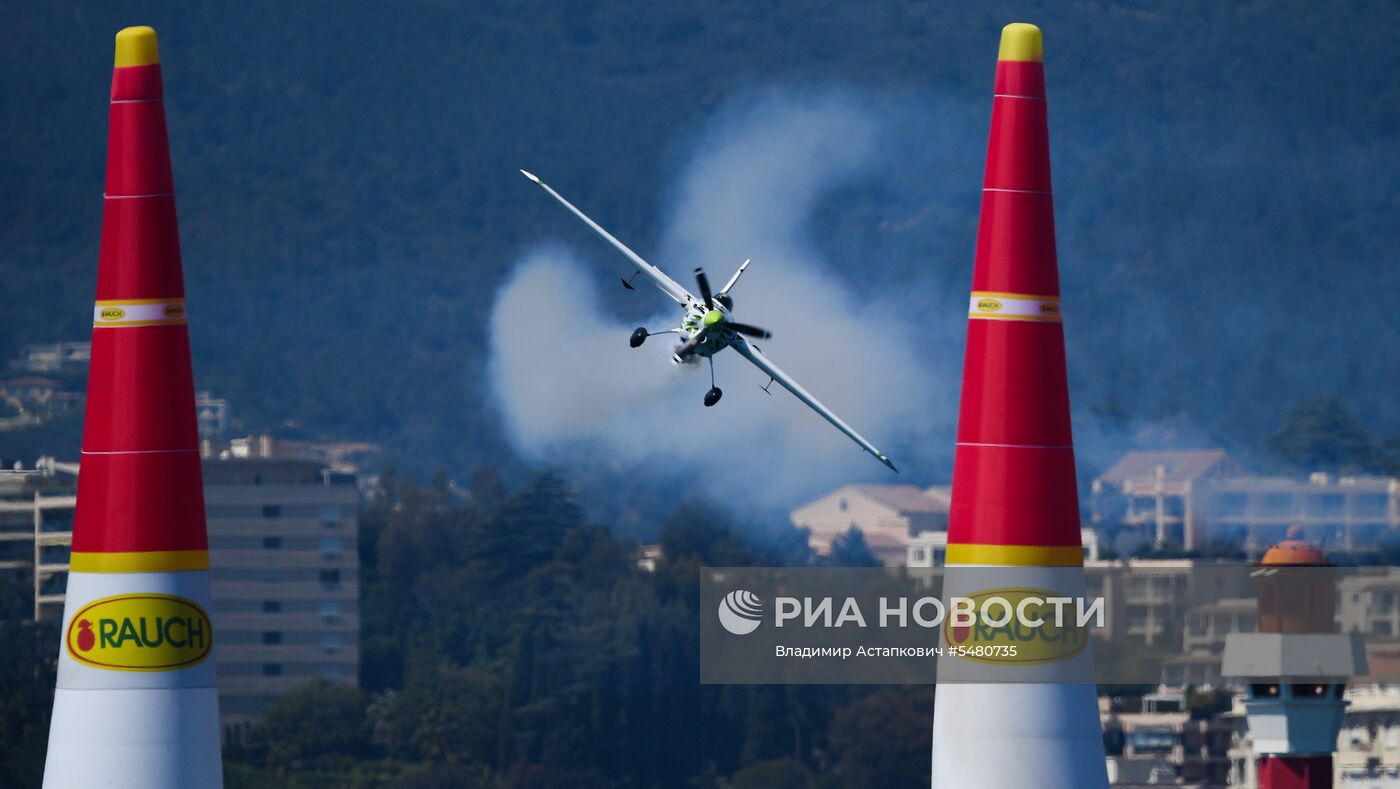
704	283
692	343
718	318
751	331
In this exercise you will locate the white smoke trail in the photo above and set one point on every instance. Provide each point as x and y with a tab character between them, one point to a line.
571	392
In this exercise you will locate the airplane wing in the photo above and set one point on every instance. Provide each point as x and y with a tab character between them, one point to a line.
762	362
658	277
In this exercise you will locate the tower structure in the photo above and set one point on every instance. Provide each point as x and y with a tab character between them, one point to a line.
1296	668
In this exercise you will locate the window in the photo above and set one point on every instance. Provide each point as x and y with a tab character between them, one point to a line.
271	606
272	574
1328	504
332	671
272	637
331	642
330	609
1231	504
1382	601
1370	505
332	545
1276	503
1310	690
330	578
1152	740
1264	690
330	517
271	511
272	669
272	543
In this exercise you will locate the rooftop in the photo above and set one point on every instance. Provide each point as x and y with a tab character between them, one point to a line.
905	498
1181	465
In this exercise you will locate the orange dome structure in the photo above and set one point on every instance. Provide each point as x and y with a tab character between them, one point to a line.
1294	552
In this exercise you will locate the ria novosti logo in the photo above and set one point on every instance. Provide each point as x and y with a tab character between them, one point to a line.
740	612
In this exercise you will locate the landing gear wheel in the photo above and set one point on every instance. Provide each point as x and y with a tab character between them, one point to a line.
638	337
713	396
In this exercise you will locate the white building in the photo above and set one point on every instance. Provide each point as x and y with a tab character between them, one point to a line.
1189	499
888	515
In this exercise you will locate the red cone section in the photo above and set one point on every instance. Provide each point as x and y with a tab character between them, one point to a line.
140	497
1295	772
1014	494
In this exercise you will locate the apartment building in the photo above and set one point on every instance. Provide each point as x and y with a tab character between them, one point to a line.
1194	498
285	579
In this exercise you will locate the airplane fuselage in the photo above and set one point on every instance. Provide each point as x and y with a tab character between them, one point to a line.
697	317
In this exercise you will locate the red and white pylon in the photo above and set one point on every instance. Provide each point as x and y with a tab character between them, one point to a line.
136	702
1014	522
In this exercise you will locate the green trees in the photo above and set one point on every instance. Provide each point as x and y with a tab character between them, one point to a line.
509	643
851	550
28	661
883	739
318	726
1319	434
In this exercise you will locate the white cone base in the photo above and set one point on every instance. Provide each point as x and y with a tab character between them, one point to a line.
1017	735
141	739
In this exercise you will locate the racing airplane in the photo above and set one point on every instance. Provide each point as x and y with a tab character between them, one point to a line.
708	328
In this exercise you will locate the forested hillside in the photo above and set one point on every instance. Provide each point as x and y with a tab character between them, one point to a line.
1226	181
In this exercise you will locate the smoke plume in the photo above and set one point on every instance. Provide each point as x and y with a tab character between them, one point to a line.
572	392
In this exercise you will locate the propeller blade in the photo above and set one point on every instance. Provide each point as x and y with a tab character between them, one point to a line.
751	331
704	283
691	344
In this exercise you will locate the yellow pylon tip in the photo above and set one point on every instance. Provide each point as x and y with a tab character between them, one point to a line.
1021	41
136	46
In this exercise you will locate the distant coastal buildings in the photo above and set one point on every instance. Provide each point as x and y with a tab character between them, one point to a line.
283	534
40	386
1197	500
1162	503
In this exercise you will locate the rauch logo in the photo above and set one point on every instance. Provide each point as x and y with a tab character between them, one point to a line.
1027	619
140	632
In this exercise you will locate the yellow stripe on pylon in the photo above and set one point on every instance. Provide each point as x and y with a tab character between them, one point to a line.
1016	555
139	562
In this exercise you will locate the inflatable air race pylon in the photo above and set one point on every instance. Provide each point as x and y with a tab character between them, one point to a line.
136	704
1016	706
